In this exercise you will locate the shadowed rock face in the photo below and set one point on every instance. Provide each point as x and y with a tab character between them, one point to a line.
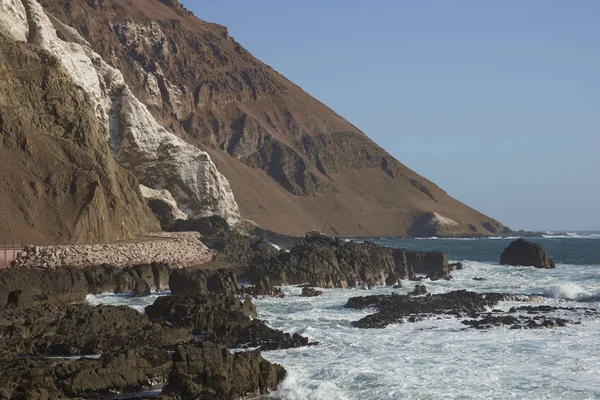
522	252
397	309
133	353
24	287
294	165
327	262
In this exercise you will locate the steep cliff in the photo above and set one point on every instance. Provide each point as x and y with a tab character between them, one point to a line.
58	181
293	164
157	157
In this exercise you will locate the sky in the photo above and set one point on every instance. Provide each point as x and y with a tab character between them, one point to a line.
496	102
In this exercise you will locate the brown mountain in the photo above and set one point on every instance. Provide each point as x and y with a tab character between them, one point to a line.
293	164
58	181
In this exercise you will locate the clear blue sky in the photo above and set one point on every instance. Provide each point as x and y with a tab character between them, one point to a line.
498	102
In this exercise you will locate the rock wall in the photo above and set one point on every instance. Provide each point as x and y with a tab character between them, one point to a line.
327	262
179	250
24	287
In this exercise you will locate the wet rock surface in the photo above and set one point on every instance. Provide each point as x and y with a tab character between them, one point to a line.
222	317
311	292
327	262
194	280
394	309
81	351
522	252
208	371
25	287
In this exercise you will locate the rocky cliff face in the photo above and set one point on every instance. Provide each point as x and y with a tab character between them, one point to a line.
157	157
58	181
293	164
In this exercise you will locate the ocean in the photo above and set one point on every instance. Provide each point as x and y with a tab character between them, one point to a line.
439	358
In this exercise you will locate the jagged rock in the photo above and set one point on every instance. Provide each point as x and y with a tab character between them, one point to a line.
310	292
48	379
326	262
248	308
163	205
187	281
141	288
455	266
80	329
419	290
522	252
210	371
398	308
24	287
221	316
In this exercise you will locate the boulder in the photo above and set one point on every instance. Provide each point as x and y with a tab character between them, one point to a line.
210	371
141	288
163	205
522	252
248	308
221	317
196	280
311	292
419	290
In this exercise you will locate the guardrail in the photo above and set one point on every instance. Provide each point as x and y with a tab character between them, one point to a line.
9	252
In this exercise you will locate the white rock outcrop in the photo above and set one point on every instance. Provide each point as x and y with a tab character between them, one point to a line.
159	158
163	204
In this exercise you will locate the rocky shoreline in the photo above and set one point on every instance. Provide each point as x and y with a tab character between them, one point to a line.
54	345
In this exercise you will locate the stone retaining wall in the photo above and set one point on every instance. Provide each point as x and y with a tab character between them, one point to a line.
178	250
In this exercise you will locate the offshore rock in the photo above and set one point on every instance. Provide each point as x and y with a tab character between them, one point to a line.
311	292
398	308
522	252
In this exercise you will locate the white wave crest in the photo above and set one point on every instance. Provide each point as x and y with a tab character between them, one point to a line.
571	291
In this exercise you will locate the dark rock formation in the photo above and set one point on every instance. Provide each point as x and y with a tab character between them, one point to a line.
327	262
214	226
419	290
24	287
262	288
455	266
221	317
310	292
393	309
195	280
397	308
133	355
248	308
208	371
522	252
